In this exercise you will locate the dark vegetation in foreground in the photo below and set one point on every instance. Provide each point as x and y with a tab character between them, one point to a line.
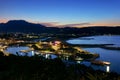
38	68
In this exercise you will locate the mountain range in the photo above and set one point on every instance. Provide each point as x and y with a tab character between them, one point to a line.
26	27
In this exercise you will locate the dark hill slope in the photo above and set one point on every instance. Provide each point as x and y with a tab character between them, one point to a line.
26	27
20	26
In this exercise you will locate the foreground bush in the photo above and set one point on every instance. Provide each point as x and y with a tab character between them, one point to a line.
38	68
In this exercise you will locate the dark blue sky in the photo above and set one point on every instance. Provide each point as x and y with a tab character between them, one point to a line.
91	12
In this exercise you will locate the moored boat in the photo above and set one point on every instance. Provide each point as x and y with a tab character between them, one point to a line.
98	62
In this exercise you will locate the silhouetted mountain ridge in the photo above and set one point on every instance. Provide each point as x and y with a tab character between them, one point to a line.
20	26
26	27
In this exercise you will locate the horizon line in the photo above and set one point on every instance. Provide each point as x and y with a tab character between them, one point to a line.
57	24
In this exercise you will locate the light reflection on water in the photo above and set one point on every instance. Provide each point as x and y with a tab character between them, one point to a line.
112	56
13	50
97	40
105	55
16	51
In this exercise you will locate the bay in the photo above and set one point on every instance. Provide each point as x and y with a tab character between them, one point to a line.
112	56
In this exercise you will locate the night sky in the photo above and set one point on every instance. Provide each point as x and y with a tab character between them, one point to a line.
62	12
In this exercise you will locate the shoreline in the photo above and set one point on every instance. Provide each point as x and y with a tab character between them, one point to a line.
104	46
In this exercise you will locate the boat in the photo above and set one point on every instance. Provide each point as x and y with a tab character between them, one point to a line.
98	62
78	59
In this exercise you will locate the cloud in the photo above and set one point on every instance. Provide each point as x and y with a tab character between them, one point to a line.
57	24
76	25
50	24
3	20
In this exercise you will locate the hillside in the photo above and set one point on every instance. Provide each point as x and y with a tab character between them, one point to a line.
26	27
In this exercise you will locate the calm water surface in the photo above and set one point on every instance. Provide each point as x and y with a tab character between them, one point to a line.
13	50
97	40
106	55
